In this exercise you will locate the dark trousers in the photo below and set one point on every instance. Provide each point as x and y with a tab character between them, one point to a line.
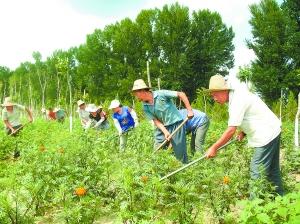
178	141
266	160
8	131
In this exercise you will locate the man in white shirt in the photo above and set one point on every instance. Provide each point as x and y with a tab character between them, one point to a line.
83	114
11	116
256	121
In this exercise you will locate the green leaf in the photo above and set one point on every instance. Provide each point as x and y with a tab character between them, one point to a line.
282	212
264	218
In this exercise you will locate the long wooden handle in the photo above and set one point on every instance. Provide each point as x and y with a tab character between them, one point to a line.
191	163
173	133
17	129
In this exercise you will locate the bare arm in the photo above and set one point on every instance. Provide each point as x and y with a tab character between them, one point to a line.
185	100
226	136
118	126
8	125
162	128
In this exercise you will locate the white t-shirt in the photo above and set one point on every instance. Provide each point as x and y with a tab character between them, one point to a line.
13	117
84	116
252	115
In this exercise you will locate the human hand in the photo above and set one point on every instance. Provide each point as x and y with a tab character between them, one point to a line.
211	152
167	136
240	136
12	130
190	114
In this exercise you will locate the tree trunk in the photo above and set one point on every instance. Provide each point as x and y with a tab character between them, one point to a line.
43	84
58	90
71	107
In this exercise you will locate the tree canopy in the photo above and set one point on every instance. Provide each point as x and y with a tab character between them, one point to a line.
276	43
183	51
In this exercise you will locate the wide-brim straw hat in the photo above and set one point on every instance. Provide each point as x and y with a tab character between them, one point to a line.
91	108
114	104
80	102
139	84
7	102
217	83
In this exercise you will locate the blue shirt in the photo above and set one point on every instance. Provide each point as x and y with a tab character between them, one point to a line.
125	119
163	109
198	120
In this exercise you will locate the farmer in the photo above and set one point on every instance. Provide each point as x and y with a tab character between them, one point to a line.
98	117
159	107
60	114
51	115
124	120
11	116
257	122
83	114
198	127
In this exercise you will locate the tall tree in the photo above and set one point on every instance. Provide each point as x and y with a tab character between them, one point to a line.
4	81
171	33
93	62
41	74
209	49
271	68
291	9
182	51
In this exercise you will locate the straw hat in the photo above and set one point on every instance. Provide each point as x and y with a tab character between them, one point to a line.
139	84
114	104
91	108
80	102
7	102
217	83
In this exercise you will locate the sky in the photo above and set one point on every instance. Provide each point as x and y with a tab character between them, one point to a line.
49	25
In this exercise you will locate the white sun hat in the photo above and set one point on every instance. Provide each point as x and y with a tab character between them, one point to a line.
139	84
91	108
114	104
80	102
7	102
217	83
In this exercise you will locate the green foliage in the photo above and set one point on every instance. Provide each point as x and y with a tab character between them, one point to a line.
205	103
182	51
282	210
276	38
292	9
209	49
4	81
41	185
245	75
289	107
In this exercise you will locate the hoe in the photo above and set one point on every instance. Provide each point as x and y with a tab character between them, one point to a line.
195	161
